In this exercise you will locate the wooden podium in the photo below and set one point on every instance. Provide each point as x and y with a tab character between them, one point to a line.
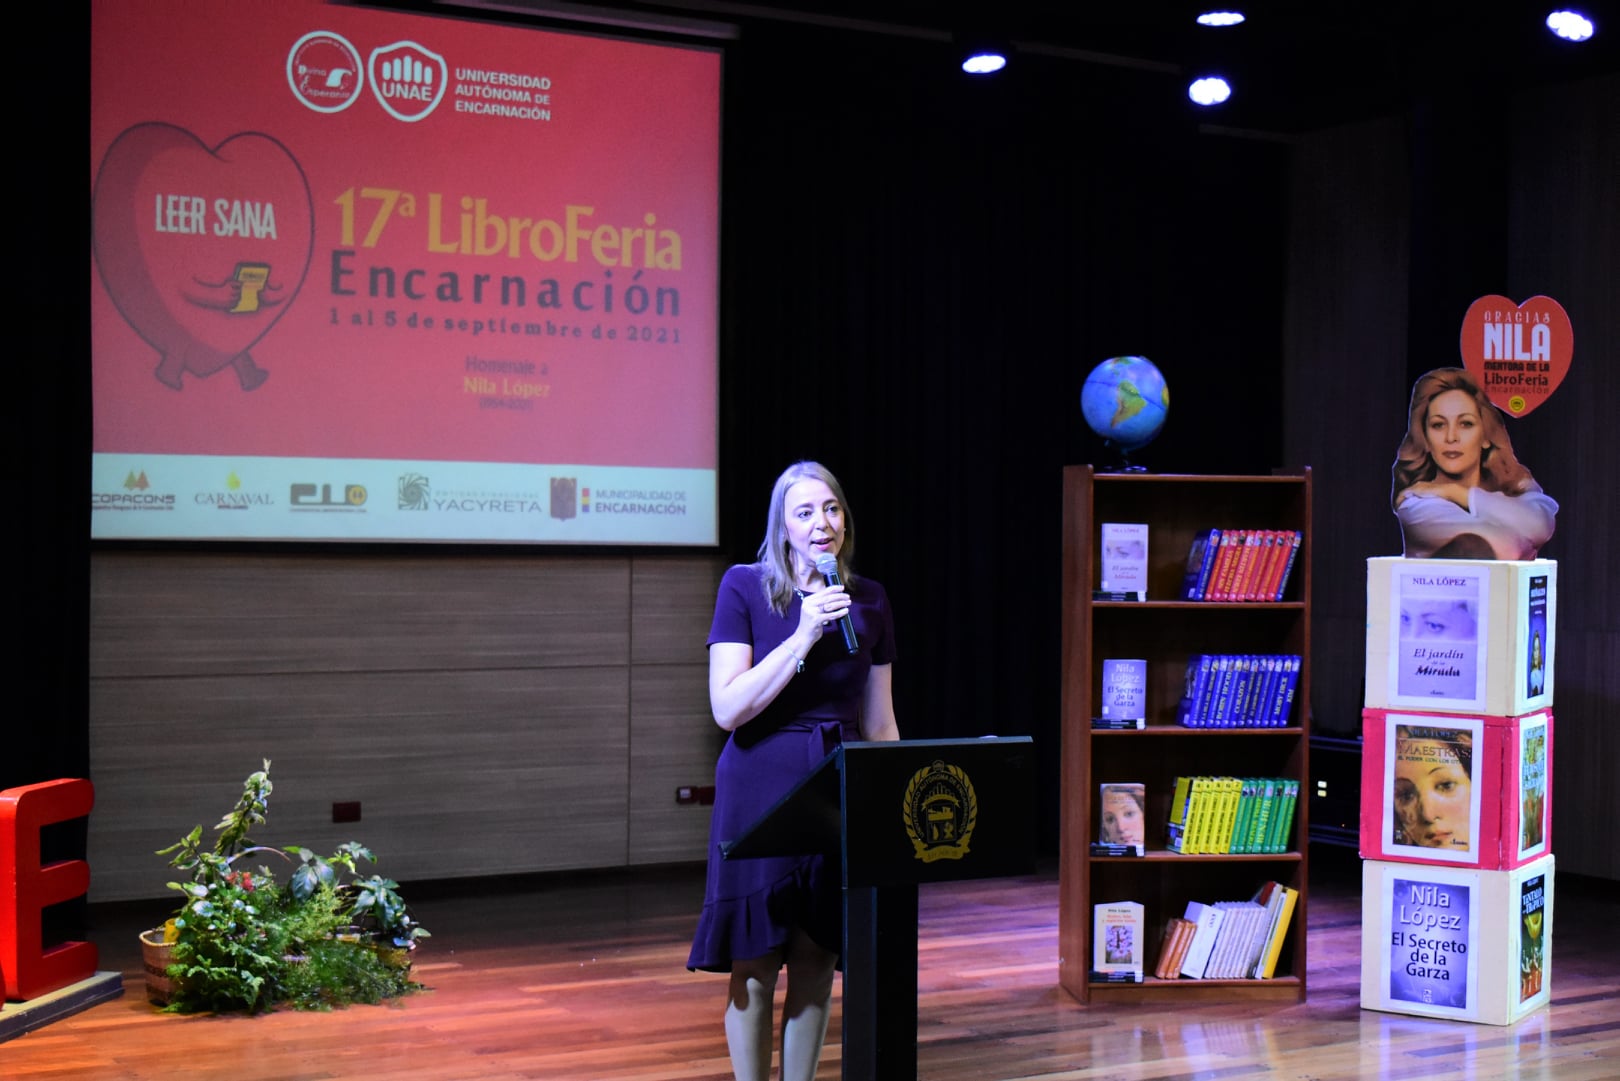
894	815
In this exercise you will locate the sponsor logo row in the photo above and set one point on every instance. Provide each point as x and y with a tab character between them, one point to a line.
413	493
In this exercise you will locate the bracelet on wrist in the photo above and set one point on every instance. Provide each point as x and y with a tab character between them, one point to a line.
797	660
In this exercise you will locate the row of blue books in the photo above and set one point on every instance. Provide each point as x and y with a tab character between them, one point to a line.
1239	690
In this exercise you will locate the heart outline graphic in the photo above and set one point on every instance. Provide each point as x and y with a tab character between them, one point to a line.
201	297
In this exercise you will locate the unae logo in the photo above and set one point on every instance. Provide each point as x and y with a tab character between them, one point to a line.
407	79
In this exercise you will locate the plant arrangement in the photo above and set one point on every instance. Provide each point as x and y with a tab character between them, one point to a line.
241	940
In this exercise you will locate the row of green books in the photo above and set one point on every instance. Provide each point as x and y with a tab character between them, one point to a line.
1232	815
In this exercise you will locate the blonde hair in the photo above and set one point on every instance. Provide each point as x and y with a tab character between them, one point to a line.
1499	470
775	557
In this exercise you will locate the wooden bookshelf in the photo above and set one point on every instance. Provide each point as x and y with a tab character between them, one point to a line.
1167	631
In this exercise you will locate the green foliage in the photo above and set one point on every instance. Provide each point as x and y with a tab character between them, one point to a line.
226	956
243	941
379	910
335	973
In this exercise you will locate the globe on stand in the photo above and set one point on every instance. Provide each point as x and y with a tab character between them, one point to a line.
1125	401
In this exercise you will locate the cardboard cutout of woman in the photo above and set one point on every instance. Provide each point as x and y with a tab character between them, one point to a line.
1458	490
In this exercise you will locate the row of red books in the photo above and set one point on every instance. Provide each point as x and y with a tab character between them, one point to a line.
1240	564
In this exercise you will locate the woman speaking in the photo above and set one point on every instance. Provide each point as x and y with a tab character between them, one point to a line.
785	684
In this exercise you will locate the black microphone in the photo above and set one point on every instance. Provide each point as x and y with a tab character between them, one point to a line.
827	564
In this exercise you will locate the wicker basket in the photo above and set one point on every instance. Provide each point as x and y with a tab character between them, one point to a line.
156	956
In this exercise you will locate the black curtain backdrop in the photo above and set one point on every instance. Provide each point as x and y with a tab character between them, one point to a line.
45	733
919	273
921	270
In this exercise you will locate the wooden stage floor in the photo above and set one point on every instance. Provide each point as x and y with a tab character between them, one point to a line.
582	978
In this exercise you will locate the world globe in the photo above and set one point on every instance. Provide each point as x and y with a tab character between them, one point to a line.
1125	401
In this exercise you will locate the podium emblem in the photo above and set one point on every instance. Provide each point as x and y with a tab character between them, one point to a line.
940	812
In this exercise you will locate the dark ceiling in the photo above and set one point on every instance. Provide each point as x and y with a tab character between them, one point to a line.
1296	64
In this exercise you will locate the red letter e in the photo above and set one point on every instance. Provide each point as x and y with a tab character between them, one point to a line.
27	968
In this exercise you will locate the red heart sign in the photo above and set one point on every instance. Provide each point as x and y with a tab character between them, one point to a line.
201	250
1517	353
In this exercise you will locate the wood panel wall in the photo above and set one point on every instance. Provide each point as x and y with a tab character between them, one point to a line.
492	714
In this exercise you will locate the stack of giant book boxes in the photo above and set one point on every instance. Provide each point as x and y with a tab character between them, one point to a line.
1456	788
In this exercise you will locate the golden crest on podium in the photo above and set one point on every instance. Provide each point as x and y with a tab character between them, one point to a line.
940	811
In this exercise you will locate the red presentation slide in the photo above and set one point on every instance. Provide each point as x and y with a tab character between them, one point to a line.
339	246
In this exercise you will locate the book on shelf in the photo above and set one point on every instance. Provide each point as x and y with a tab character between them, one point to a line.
1220	575
1195	817
1265	551
1176	825
1282	706
1122	816
1117	938
1247	797
1197	680
1202	807
1132	976
1280	904
1229	940
1211	798
1243	573
1262	684
1221	815
1124	688
1220	841
1214	810
1231	690
1264	809
1270	571
1232	944
1118	724
1177	934
1240	564
1282	824
1214	968
1244	668
1200	561
1268	899
1124	563
1207	921
1248	949
1285	565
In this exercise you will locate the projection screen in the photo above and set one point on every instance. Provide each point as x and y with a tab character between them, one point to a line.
359	275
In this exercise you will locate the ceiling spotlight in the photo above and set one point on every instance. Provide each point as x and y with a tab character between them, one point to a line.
1210	90
1570	25
984	61
1220	18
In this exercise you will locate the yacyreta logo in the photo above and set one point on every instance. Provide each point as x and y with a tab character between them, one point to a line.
408	80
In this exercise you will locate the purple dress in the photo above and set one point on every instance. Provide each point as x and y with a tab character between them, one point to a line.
751	905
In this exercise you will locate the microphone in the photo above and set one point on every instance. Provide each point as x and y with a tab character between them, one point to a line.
827	564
